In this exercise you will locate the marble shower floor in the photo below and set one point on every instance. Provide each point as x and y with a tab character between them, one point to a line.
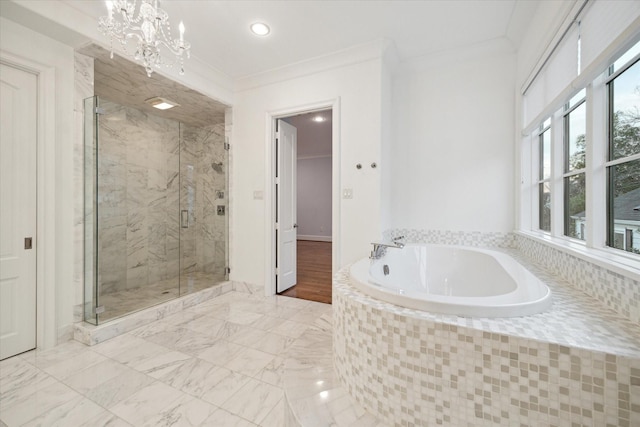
219	363
119	303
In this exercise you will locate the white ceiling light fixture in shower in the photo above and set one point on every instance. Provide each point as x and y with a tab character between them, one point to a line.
161	103
260	29
319	119
149	28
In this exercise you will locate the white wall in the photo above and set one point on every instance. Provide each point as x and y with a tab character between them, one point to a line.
358	88
453	143
314	198
55	240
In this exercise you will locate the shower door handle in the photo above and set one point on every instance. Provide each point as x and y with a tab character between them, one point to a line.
184	218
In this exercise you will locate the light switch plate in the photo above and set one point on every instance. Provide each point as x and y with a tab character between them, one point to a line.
347	193
258	195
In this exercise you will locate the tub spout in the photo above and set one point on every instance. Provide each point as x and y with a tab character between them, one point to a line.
380	248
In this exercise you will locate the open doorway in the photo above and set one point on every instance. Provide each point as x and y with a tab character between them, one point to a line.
304	199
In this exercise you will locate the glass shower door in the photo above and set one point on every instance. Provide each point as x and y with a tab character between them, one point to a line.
203	207
133	172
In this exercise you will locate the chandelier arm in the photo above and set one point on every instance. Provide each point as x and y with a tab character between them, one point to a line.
150	30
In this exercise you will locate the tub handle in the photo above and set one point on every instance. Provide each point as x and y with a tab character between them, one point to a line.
184	218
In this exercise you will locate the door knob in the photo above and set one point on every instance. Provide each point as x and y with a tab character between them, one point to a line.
295	225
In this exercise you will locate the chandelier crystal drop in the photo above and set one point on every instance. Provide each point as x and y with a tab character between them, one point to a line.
150	30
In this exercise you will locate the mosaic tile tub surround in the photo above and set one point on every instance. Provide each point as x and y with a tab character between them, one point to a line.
577	364
449	237
618	292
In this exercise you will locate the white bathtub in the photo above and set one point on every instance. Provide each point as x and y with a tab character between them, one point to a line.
459	280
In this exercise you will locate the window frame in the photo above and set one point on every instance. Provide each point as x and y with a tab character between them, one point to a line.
545	127
597	134
566	172
610	163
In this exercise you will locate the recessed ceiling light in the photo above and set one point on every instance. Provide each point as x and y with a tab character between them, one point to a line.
319	119
260	29
161	103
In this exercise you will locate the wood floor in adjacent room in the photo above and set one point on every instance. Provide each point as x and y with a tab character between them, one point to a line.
314	272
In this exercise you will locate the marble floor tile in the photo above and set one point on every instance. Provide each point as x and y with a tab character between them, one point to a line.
254	400
249	361
290	329
24	386
148	402
235	315
226	419
246	335
37	403
272	373
275	418
307	317
223	384
270	342
73	364
194	376
221	352
162	364
214	328
45	358
297	303
8	368
119	388
224	362
70	413
281	311
267	322
105	419
128	349
16	374
89	378
183	340
187	411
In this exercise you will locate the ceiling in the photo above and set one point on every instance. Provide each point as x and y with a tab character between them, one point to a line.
301	30
126	83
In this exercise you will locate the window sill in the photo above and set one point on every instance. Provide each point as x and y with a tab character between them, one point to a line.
611	259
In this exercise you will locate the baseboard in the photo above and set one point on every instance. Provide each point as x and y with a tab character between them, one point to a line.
314	238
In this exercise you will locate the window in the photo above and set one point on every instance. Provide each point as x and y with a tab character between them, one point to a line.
575	166
544	187
623	165
583	180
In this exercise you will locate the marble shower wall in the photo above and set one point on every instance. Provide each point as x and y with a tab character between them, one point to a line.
203	184
138	198
140	174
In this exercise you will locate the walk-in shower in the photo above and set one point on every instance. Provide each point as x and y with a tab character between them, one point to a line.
156	211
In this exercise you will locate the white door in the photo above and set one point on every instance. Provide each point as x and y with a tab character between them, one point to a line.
17	211
286	216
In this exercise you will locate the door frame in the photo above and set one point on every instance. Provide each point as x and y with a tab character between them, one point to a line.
46	325
270	194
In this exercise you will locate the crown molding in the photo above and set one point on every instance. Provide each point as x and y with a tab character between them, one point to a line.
342	58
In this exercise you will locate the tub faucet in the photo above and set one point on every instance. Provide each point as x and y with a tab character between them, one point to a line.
398	241
380	249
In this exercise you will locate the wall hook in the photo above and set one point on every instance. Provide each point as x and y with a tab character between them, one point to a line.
374	165
358	166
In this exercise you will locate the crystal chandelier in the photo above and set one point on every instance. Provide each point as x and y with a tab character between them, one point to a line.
150	30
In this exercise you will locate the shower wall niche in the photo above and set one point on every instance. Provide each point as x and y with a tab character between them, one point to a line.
155	208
